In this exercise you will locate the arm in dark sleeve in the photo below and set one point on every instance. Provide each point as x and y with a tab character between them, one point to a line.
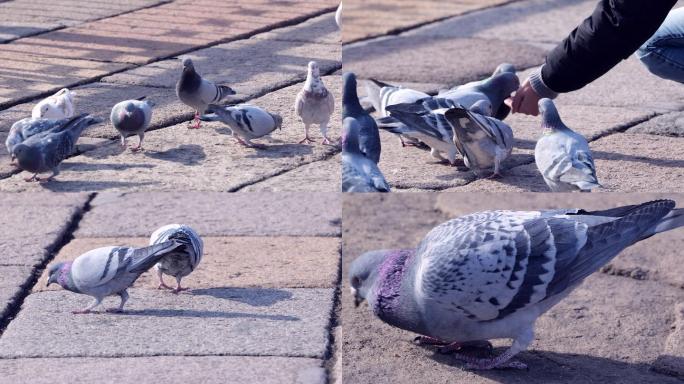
612	33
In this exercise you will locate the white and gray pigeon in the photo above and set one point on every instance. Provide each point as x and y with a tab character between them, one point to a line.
359	173
485	142
314	103
132	117
58	106
369	135
563	156
491	274
246	121
45	151
108	271
27	127
197	92
181	261
494	89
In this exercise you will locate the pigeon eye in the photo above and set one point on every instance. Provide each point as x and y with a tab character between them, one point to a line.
356	282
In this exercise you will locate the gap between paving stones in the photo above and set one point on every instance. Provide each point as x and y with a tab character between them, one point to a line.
331	356
130	66
53	250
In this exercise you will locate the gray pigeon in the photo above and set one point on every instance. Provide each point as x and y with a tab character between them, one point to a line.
27	127
314	104
359	173
45	151
197	92
563	156
494	89
369	135
132	117
246	121
182	260
491	274
108	271
484	142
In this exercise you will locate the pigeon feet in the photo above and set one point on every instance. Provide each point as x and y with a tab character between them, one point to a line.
114	310
162	285
307	140
137	149
427	340
179	289
81	312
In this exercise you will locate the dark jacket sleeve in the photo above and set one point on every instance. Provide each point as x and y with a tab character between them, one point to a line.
615	30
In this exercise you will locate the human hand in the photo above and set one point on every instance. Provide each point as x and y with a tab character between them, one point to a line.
525	100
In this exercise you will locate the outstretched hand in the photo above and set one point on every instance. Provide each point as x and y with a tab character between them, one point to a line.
524	100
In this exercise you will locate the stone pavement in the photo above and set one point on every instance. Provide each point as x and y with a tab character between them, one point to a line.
632	118
260	304
258	48
617	327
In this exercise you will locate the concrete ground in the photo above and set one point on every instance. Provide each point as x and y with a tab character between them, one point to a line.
624	324
107	53
632	118
260	306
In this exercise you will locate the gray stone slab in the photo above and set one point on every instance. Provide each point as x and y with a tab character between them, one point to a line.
251	66
321	29
321	176
176	158
432	60
670	124
671	361
591	336
214	214
275	322
12	281
519	21
33	223
171	369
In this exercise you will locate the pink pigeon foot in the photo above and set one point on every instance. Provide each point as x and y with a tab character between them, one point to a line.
307	140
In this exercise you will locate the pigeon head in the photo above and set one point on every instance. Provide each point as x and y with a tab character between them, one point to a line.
350	135
500	86
363	273
187	64
28	157
504	67
350	100
314	70
483	107
60	273
549	114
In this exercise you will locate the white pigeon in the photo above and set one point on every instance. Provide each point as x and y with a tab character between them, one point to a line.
314	103
58	106
132	117
563	156
246	121
107	271
490	275
359	173
182	260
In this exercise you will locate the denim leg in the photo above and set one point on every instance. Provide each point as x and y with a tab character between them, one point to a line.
663	53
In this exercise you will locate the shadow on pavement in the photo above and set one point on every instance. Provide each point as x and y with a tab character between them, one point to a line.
205	314
256	297
78	166
275	151
56	185
186	154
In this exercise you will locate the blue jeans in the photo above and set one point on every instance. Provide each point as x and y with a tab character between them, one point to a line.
663	53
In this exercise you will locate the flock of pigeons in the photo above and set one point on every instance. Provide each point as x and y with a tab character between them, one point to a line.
174	250
41	142
465	120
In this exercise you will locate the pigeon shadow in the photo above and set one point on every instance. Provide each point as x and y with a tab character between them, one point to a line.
78	166
176	313
554	367
55	185
186	154
278	151
256	297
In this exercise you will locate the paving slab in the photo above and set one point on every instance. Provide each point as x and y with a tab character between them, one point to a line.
670	361
33	224
311	262
174	370
630	325
321	29
208	158
12	280
431	60
320	176
363	19
670	124
214	214
236	321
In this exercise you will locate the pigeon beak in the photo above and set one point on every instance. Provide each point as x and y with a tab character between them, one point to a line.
357	299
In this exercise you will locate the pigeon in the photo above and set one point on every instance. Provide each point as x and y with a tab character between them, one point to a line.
424	120
485	142
369	135
359	173
27	127
45	151
132	117
181	261
563	156
58	106
197	92
495	89
338	16
314	104
108	271
246	121
491	274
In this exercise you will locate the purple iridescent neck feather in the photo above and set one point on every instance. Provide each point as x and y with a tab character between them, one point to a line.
389	281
